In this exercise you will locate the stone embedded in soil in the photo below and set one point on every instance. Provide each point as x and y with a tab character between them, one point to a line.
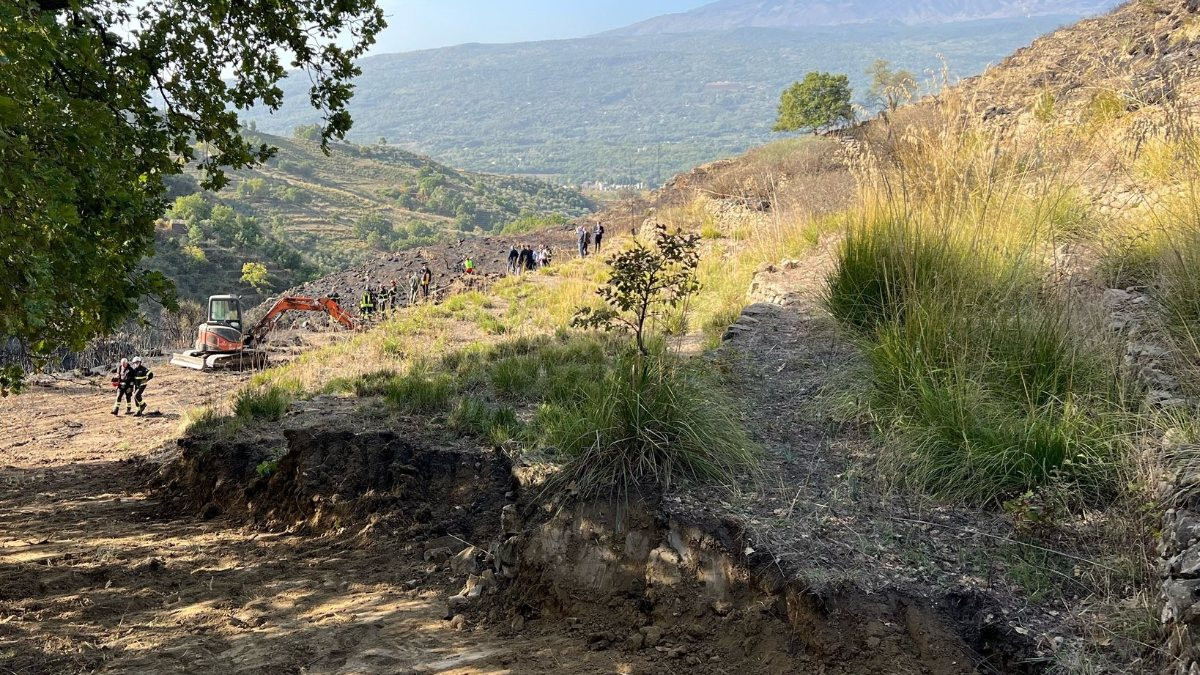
453	543
1188	564
1181	596
510	520
455	604
508	556
437	555
653	635
469	561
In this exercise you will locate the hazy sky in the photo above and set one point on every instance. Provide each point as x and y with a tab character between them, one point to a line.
423	24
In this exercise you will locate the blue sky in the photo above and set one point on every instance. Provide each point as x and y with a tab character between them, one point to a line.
423	24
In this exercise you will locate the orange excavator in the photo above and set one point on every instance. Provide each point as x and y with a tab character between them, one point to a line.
223	345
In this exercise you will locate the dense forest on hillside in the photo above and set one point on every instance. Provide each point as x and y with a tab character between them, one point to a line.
304	214
628	109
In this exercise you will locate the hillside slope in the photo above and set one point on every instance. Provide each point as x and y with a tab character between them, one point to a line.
1135	61
628	109
730	14
304	213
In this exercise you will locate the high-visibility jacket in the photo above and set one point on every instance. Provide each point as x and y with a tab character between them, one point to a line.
138	376
368	301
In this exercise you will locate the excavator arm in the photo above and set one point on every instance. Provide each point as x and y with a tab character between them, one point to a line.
300	304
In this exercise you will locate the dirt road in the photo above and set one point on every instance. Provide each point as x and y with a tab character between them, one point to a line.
95	578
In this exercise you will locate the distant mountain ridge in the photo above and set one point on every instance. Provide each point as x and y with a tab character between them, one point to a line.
731	14
629	109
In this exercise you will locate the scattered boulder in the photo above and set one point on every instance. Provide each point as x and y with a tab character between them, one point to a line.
453	543
469	561
437	555
508	557
652	635
510	520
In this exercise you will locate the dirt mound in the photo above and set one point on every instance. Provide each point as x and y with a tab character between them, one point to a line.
331	479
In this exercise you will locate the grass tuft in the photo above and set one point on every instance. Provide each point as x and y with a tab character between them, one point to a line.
268	403
649	420
419	391
981	372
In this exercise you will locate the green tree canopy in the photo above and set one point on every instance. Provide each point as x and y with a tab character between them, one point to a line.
100	100
255	274
821	101
890	89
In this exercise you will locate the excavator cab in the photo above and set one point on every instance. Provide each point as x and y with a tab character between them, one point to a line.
222	333
225	310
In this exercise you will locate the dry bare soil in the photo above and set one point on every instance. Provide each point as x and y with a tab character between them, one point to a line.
95	577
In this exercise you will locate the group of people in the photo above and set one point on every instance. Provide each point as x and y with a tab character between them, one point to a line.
387	297
525	258
589	238
521	258
130	379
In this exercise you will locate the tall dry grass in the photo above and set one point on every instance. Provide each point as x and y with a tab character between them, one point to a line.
991	377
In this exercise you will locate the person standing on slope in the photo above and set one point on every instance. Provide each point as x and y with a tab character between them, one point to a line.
598	233
512	259
366	304
521	258
426	279
581	234
393	299
414	283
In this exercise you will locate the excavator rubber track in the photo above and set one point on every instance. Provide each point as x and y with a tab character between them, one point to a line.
250	359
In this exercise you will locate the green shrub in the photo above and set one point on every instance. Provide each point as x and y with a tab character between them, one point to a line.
649	420
268	403
267	468
516	376
419	391
880	264
201	421
476	416
981	373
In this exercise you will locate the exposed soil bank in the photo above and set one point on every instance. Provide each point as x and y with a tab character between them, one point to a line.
330	479
663	590
695	590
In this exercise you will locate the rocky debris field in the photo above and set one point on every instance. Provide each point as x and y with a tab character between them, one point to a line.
490	255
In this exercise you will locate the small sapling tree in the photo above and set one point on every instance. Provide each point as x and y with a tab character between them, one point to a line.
890	89
644	283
